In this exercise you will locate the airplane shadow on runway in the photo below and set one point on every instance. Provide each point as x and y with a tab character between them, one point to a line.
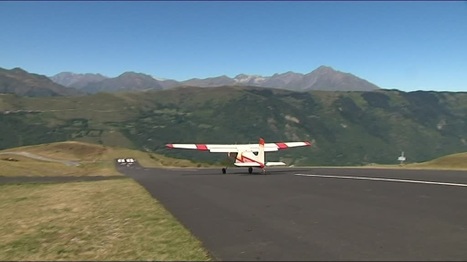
241	172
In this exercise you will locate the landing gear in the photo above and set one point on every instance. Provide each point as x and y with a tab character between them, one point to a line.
250	170
224	170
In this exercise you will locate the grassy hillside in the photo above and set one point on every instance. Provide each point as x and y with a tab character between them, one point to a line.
85	160
454	161
347	128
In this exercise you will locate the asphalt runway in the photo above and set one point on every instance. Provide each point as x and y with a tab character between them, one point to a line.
335	214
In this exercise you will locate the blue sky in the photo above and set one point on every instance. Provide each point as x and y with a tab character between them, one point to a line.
394	44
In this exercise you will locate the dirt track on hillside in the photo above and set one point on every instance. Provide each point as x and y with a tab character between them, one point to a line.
42	158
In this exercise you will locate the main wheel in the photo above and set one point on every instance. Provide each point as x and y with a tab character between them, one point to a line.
224	170
250	170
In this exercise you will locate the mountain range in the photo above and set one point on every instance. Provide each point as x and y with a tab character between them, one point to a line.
18	81
372	125
322	78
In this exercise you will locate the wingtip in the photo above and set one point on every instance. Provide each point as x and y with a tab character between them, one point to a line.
308	143
169	145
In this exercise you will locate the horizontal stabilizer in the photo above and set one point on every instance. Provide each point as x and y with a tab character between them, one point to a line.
247	164
275	164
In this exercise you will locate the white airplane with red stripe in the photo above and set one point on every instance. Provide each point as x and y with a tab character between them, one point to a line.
246	155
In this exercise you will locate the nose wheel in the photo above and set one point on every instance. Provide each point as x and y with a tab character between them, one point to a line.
250	170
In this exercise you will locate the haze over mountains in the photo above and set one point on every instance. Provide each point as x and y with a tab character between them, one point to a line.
322	78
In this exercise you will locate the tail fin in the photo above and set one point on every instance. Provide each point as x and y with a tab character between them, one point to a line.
261	151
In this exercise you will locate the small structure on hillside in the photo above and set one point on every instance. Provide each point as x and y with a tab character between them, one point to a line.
401	158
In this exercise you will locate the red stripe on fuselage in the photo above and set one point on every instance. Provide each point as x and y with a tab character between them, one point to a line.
244	159
201	147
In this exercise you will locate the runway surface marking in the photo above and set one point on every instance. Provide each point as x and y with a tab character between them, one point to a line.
386	179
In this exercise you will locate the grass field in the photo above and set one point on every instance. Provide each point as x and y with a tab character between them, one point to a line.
101	220
104	220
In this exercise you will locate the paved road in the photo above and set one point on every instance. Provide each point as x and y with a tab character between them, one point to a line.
336	214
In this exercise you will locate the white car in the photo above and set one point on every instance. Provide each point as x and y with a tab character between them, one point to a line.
125	161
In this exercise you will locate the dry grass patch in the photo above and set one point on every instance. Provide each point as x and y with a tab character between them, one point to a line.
454	161
25	166
94	160
104	220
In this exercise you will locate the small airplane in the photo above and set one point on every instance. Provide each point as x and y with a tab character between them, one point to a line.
245	155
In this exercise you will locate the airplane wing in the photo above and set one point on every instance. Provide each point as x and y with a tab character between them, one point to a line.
228	148
218	148
268	147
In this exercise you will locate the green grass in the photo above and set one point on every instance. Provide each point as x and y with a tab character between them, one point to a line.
105	220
